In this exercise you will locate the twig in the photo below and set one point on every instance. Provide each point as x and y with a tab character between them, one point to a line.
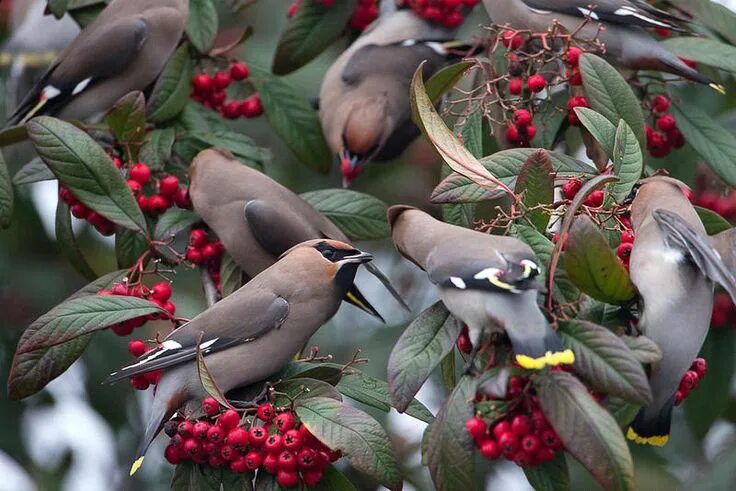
210	290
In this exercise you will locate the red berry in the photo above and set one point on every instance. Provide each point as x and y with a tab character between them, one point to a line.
232	110
522	458
135	187
549	439
536	83
258	436
117	162
140	173
453	19
182	199
513	136
544	454
144	202
159	204
312	478
508	442
594	199
198	237
139	382
217	99
237	438
576	78
292	440
209	251
239	70
216	434
528	132
172	455
136	347
476	427
515	86
501	428
168	185
200	430
571	188
287	461
306	459
521	425
271	463
274	444
191	447
202	84
660	103
253	460
679	397
287	479
623	251
511	39
221	80
210	406
573	56
266	412
627	237
185	429
239	465
530	443
522	118
284	421
228	453
229	419
666	122
194	255
699	366
161	291
463	341
251	107
490	449
689	381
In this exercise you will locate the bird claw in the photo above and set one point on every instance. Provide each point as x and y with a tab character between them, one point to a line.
257	400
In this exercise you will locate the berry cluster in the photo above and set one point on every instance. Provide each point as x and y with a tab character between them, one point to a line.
623	251
273	441
138	348
724	311
444	12
523	435
210	91
160	294
571	187
690	380
723	205
521	131
80	210
366	11
663	135
168	190
202	250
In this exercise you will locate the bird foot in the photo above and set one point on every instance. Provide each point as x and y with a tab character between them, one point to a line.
257	400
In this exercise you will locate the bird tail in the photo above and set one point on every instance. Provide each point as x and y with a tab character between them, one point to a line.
160	412
652	425
676	65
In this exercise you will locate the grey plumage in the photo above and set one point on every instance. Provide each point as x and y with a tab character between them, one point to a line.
122	50
625	40
486	281
673	267
253	333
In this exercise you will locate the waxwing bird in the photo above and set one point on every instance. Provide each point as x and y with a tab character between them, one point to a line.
122	50
257	219
251	334
725	244
364	101
673	267
624	38
486	281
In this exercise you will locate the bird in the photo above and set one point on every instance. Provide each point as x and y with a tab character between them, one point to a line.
486	281
624	38
673	267
253	333
122	50
257	219
364	104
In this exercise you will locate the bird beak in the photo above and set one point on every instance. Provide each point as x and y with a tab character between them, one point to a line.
350	167
362	257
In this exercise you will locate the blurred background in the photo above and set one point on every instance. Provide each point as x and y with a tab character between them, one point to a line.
80	435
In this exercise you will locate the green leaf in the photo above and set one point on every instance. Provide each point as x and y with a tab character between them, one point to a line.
129	246
202	24
374	392
362	440
209	384
444	80
80	316
711	14
329	372
171	92
266	482
84	167
312	29
157	147
333	480
189	476
30	372
599	126
593	266
13	134
303	388
548	119
174	221
622	411
127	119
712	221
704	50
449	445
628	163
421	347
360	216
605	361
537	184
715	144
293	119
240	145
447	370
58	7
588	432
447	145
644	349
34	171
709	399
610	94
6	195
68	242
505	165
549	476
231	276
471	133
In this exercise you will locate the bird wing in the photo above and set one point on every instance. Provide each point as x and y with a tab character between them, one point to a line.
277	229
97	56
678	234
220	330
627	12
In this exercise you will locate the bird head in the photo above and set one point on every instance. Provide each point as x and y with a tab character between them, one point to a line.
363	136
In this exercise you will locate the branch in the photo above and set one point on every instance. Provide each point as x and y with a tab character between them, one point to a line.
210	290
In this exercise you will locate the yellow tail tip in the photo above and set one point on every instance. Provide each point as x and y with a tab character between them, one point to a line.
566	357
657	440
136	465
717	87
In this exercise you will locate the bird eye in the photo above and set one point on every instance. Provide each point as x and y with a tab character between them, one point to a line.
328	254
